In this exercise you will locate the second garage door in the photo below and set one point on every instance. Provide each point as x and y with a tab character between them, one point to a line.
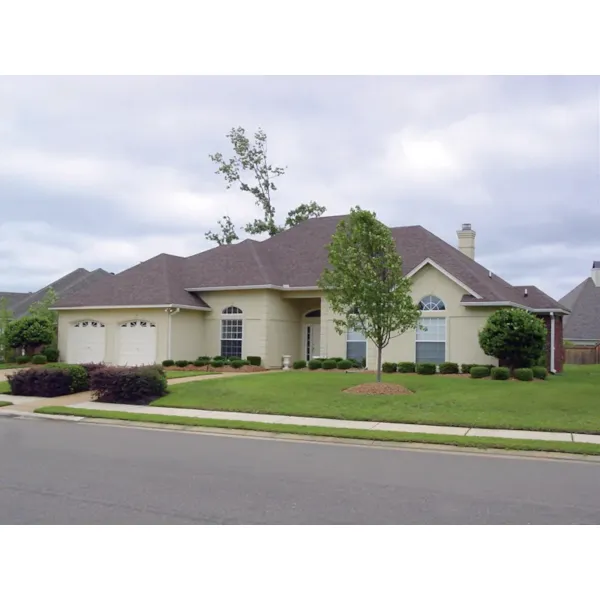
136	343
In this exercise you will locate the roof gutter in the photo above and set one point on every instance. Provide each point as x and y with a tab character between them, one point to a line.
135	306
230	288
515	305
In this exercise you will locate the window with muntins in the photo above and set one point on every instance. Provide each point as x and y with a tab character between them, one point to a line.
431	342
356	346
232	332
431	303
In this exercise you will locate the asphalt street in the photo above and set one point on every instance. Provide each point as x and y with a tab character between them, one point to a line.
54	472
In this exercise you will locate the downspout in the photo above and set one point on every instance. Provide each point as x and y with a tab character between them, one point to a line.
170	312
552	342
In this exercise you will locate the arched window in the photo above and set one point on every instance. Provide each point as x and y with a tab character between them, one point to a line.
313	313
431	303
232	332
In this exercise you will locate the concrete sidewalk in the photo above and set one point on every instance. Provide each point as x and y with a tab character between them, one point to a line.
335	423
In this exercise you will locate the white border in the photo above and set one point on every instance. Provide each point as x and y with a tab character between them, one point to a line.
443	271
131	306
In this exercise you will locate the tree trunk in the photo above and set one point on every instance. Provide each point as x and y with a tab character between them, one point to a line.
379	364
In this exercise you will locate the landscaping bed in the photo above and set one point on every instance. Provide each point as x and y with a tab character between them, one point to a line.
563	403
214	370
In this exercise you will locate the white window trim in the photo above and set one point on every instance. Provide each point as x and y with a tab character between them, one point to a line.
417	341
433	310
443	271
231	317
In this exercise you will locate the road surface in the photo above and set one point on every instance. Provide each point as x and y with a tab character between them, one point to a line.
54	472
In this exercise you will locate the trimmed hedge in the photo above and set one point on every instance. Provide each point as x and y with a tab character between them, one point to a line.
182	363
168	363
329	364
128	385
336	359
315	364
389	367
344	364
406	367
426	369
255	361
39	359
217	363
49	382
239	363
51	354
299	364
500	373
540	372
466	368
449	368
206	358
479	372
22	360
523	374
201	362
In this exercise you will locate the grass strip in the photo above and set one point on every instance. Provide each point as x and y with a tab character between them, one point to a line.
2	403
358	434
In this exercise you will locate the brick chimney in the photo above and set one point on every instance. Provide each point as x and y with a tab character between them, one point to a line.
466	240
595	275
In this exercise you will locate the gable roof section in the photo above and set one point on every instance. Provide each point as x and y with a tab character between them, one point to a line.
292	259
13	298
155	282
584	303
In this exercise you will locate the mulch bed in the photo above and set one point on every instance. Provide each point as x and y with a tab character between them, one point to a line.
378	389
223	369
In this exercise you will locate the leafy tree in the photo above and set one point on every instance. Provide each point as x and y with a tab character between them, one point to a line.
514	336
364	283
29	332
5	318
42	308
250	159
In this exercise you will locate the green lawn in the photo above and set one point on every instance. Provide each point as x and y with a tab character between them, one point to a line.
180	374
9	366
568	402
330	432
4	387
2	403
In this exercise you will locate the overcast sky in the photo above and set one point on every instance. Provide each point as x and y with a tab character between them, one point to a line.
107	172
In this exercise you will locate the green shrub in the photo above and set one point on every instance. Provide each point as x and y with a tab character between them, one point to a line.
524	374
182	363
315	364
344	364
168	363
465	368
238	363
22	360
200	362
217	364
38	359
479	371
255	361
449	368
426	369
42	383
329	364
389	367
128	385
299	364
336	359
500	373
206	358
51	354
540	372
220	358
406	367
357	364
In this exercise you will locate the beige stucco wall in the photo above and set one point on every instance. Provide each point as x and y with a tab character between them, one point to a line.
188	340
462	325
112	319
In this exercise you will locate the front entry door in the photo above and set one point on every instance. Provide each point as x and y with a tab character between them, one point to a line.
312	341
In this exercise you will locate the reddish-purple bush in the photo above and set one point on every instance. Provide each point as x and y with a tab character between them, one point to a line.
128	385
45	383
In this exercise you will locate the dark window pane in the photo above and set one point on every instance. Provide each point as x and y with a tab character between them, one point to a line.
356	351
431	352
231	348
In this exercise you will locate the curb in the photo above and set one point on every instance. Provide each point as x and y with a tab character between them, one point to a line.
6	412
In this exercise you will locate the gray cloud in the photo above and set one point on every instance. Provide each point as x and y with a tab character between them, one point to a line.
115	169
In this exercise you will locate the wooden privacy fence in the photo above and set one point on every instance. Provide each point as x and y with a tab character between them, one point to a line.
583	355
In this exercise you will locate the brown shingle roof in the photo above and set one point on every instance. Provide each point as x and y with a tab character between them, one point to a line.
295	258
584	303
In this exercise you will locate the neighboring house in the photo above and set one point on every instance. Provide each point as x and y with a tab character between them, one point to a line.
261	299
582	326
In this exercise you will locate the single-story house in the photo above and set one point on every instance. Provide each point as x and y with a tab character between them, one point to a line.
582	325
260	298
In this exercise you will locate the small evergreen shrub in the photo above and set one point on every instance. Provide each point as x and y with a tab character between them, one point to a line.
128	385
206	358
299	364
315	364
221	358
406	367
168	363
51	354
479	371
336	359
449	368
523	374
238	363
465	368
217	364
357	364
500	373
329	364
38	359
22	360
344	364
200	362
255	361
182	363
389	367
540	372
426	369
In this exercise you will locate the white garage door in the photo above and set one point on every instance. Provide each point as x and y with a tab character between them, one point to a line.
86	342
137	343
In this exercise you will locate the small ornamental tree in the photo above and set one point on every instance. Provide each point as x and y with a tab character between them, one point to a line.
514	336
29	333
364	284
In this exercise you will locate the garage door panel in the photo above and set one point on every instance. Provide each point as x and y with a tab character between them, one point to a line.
136	343
86	342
